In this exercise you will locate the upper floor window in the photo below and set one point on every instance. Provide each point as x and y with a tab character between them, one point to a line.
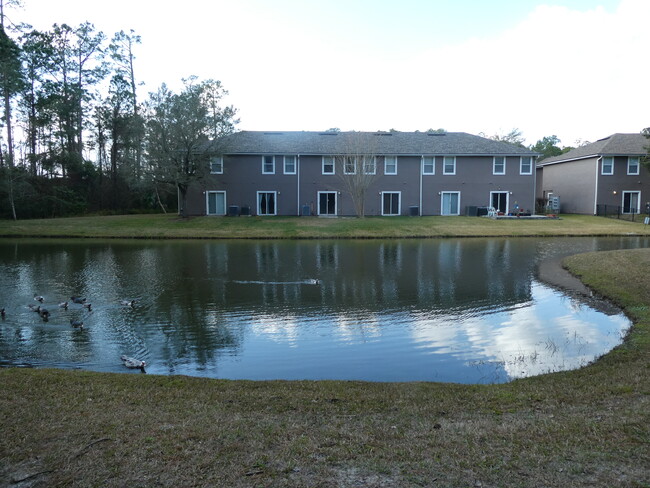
289	165
369	165
449	165
608	166
349	165
328	165
390	165
428	165
526	165
216	165
268	165
499	165
633	165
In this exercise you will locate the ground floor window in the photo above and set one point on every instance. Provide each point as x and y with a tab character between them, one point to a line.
631	201
390	203
499	200
450	203
215	202
327	203
266	202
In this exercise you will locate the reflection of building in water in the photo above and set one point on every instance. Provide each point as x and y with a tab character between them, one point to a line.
425	274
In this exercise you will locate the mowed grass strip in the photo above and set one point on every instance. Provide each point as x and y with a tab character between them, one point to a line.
171	226
584	428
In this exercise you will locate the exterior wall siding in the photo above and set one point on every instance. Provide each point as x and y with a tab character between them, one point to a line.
611	187
242	178
574	182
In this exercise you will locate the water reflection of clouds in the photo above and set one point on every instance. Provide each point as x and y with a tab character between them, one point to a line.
282	329
527	340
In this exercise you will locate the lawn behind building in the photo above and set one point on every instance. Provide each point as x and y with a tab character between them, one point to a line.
171	226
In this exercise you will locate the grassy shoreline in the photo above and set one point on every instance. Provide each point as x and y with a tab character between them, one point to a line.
583	428
173	227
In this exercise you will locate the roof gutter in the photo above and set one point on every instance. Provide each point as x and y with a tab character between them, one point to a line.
379	153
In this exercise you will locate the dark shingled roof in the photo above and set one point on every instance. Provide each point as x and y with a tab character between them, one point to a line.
614	145
388	143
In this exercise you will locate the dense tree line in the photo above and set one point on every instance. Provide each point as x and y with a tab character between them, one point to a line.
76	136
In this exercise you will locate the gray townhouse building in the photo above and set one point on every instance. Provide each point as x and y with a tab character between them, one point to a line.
336	173
595	178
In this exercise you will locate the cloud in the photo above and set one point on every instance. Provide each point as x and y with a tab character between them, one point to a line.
577	74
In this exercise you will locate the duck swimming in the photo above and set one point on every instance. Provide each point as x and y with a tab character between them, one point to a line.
3	314
63	305
128	303
78	300
133	363
38	298
44	313
77	324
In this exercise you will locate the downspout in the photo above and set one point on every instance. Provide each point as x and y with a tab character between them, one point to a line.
598	161
533	168
421	168
298	183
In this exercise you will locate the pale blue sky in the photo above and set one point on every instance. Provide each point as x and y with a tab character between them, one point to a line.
574	68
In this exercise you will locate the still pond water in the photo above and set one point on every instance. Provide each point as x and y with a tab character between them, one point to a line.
453	310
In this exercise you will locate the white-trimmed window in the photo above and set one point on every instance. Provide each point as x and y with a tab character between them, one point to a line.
267	202
499	165
268	165
428	165
289	165
390	165
526	165
608	166
328	165
369	165
215	203
349	165
390	202
216	165
633	165
449	165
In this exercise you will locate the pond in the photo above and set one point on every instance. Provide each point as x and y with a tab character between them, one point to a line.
451	310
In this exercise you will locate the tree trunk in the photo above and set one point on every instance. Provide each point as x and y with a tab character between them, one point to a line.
155	186
182	200
11	196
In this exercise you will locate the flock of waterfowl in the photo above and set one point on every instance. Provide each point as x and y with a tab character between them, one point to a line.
44	313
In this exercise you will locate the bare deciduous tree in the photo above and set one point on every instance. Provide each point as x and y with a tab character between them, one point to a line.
356	167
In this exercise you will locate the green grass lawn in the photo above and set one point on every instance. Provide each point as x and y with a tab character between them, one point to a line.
171	226
583	428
